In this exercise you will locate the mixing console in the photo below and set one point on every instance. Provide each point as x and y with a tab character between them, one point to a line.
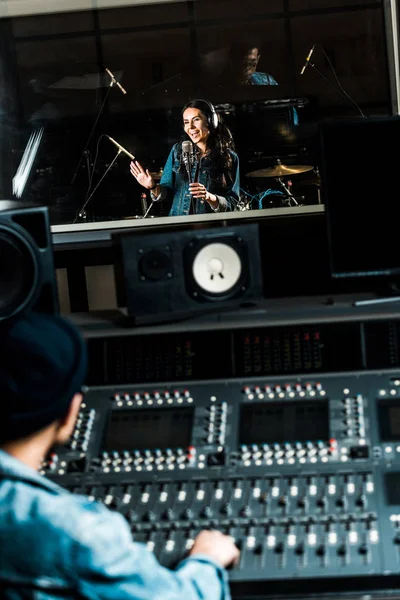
304	473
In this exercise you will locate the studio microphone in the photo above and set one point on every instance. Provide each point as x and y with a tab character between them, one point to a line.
121	148
123	90
187	153
308	59
187	150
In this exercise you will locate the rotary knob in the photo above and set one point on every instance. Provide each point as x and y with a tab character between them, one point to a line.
169	515
188	514
207	512
149	516
227	509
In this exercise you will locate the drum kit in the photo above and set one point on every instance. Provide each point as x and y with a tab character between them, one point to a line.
282	174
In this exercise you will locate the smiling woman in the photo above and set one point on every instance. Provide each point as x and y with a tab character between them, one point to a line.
206	178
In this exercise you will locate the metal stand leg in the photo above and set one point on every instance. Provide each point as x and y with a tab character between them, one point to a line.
143	201
148	210
288	192
82	212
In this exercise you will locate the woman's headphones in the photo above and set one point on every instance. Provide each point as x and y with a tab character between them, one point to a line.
212	118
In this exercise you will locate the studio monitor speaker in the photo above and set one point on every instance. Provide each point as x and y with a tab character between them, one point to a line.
27	277
162	277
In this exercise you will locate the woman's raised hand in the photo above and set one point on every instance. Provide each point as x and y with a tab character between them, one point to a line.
141	175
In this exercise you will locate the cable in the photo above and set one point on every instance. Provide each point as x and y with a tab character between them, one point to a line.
91	174
90	136
339	84
260	197
94	165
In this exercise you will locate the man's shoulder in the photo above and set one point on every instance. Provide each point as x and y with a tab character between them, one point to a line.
259	78
54	533
51	509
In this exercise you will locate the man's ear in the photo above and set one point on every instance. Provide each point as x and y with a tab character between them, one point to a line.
67	424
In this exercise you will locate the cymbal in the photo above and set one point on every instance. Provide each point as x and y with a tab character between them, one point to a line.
156	174
281	171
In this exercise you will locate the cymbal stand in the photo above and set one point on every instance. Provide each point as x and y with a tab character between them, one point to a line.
316	171
287	190
81	214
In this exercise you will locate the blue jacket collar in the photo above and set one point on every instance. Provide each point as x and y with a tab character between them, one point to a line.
12	468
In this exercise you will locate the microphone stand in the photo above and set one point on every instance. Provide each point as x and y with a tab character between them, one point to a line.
151	206
187	165
85	151
148	210
82	212
337	89
187	161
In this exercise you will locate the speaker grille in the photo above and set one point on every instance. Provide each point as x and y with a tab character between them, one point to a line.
18	270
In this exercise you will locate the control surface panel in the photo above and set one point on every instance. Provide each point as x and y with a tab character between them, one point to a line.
303	473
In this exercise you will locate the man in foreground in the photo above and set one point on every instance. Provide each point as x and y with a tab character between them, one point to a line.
56	544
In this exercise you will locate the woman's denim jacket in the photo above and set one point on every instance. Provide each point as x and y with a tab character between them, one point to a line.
174	185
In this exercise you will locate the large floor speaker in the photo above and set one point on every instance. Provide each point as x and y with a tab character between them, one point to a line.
171	276
27	276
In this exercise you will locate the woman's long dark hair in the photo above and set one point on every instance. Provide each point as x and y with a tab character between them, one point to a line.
220	141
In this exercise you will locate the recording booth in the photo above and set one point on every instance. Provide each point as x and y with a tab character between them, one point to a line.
244	365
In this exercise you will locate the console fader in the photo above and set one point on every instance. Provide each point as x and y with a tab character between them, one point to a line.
304	473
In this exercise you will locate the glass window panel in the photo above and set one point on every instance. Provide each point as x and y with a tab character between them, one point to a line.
143	16
228	54
164	53
227	10
154	64
57	77
320	5
356	48
74	22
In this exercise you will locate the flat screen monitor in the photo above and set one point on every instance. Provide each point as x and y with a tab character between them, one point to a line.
360	162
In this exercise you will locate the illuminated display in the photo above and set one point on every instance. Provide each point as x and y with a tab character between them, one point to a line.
141	429
284	422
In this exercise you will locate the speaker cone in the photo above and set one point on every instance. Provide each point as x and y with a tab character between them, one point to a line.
217	268
18	270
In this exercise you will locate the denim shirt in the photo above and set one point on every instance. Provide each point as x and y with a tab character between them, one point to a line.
259	78
174	185
56	544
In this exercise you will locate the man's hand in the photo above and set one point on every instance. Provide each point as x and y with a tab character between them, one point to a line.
217	546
